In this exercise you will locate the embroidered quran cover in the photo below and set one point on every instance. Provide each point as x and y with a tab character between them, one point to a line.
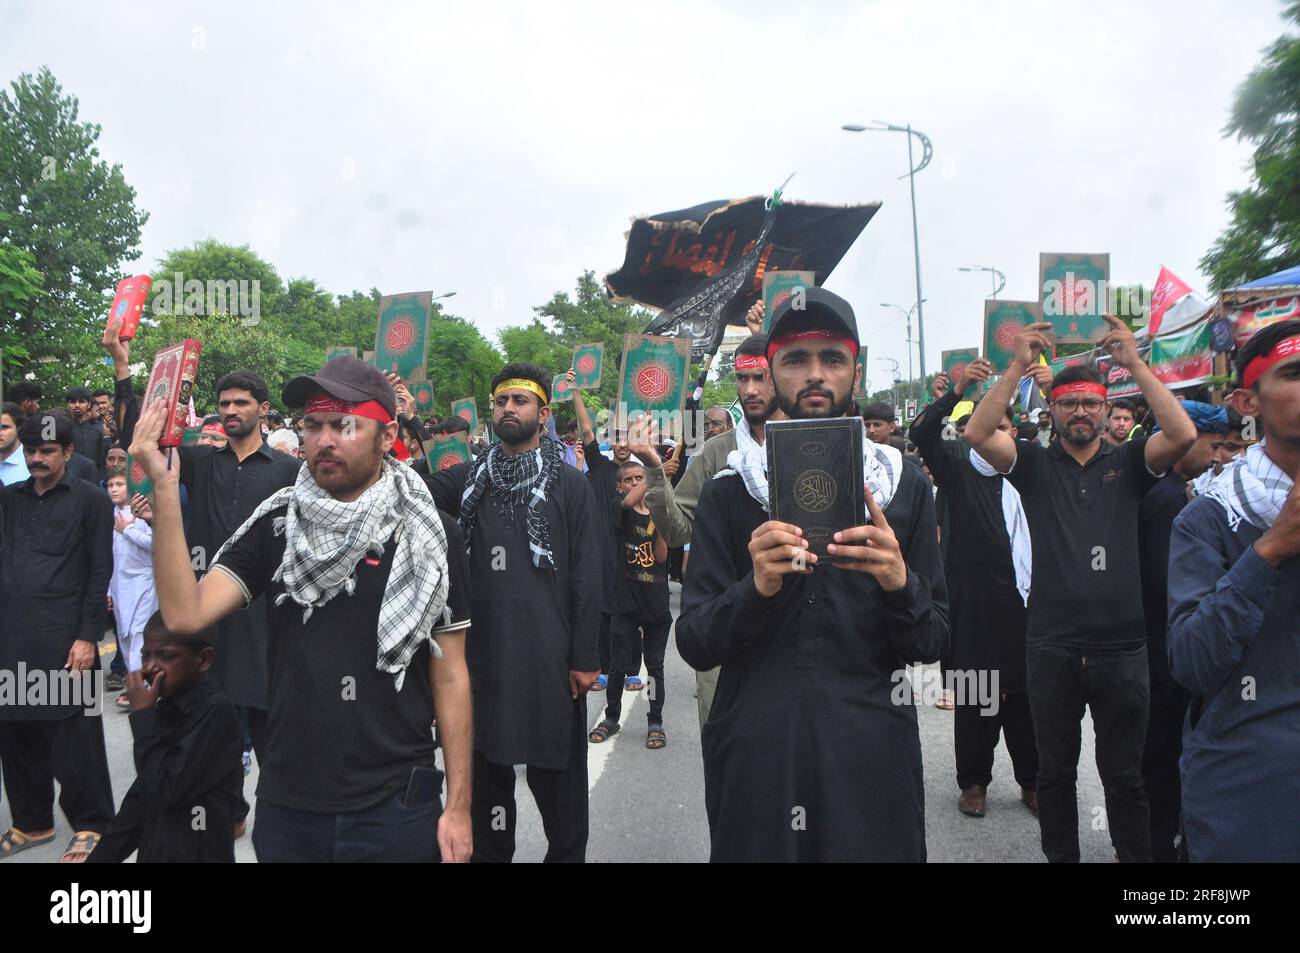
128	305
1073	293
422	391
1002	322
447	450
339	351
955	361
779	285
172	381
561	389
653	380
402	339
137	481
814	476
588	362
467	409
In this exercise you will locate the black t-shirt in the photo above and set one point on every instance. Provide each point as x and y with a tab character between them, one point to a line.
340	737
643	582
1083	520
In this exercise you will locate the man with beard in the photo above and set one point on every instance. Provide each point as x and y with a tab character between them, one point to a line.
1086	634
13	463
807	714
673	508
534	546
1168	707
1119	421
88	437
1234	625
101	406
368	608
224	485
56	559
987	564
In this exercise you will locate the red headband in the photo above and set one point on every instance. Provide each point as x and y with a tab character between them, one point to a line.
1079	387
1287	347
324	404
751	362
213	428
776	344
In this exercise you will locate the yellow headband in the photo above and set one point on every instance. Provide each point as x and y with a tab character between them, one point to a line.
524	384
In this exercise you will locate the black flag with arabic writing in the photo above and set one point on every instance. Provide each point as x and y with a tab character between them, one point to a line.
704	266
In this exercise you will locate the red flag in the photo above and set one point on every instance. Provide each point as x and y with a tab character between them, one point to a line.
1169	290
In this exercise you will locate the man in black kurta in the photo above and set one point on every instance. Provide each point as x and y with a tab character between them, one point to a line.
811	750
56	558
536	609
987	610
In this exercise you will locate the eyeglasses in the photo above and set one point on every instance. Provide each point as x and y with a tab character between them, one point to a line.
1091	404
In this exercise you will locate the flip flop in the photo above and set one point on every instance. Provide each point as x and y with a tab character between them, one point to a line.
655	737
80	847
633	684
602	681
603	731
14	841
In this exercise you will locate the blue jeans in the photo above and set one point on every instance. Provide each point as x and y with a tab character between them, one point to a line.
389	832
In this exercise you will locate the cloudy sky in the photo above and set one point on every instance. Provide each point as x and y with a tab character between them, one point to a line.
498	150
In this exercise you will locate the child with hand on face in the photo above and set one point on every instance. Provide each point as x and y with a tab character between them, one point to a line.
131	588
188	747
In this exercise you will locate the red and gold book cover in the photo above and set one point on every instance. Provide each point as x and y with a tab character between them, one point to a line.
128	304
172	381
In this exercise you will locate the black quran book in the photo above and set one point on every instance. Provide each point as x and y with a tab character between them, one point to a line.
814	476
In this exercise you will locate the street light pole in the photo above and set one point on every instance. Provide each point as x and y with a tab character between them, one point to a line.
927	153
908	314
999	279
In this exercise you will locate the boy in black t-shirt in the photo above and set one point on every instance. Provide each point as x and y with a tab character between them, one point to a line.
181	807
640	607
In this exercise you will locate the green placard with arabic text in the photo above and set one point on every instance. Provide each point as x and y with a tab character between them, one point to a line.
402	338
1002	322
653	378
467	409
1073	290
588	362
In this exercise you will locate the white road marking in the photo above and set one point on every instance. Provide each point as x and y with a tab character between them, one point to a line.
596	754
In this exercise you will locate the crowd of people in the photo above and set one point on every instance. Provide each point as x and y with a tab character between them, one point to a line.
311	593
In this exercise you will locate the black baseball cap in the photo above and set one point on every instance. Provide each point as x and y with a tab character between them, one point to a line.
816	303
344	378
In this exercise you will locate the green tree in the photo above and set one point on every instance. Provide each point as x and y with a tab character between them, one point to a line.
75	216
585	317
1264	234
461	362
212	263
228	344
20	283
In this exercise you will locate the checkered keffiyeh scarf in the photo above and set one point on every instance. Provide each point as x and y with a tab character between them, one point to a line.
326	538
1252	488
882	467
522	478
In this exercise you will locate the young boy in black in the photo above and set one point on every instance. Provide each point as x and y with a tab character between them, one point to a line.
182	804
640	606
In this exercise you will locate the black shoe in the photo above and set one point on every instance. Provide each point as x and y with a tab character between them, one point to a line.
114	682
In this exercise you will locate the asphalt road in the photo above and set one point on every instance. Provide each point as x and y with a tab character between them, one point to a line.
649	805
